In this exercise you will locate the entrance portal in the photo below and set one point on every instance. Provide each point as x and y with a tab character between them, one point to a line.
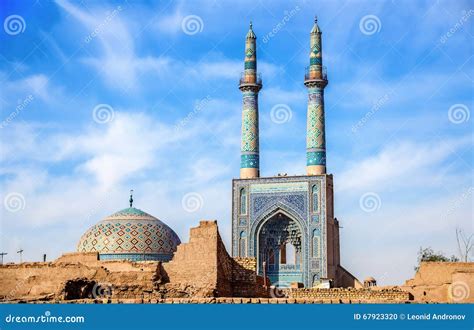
279	246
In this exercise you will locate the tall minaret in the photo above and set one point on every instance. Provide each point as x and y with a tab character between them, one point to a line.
250	85
315	80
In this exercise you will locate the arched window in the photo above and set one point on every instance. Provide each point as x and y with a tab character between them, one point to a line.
315	199
243	201
243	244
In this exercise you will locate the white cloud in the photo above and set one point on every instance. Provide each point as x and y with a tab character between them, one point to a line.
399	163
170	24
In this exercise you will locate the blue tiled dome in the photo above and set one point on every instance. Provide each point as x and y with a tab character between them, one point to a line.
130	234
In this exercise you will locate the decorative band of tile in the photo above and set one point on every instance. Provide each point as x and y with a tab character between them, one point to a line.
316	158
249	161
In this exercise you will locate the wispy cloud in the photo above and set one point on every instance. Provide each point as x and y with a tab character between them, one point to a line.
404	163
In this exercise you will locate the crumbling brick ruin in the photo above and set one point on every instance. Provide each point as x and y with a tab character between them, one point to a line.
202	271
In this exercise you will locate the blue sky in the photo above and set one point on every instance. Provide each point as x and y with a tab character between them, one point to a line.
97	98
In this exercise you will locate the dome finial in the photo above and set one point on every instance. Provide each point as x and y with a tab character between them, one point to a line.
315	18
131	197
251	25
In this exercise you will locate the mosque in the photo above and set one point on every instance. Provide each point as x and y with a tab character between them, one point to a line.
285	238
286	222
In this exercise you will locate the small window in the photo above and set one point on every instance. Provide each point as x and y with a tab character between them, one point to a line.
315	199
243	201
243	244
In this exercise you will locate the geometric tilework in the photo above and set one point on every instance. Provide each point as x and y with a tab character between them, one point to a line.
293	198
250	87
250	124
130	234
315	132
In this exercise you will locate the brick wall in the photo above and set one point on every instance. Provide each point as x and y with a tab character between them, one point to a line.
245	281
348	295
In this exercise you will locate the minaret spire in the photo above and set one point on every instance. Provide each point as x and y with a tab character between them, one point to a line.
250	85
315	80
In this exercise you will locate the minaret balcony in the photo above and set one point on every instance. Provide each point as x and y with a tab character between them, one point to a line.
250	79
315	74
